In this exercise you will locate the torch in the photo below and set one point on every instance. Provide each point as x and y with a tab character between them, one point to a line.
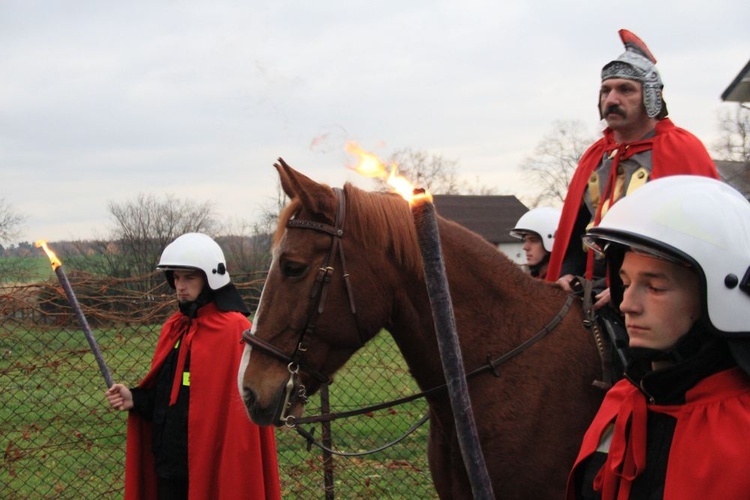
57	267
428	236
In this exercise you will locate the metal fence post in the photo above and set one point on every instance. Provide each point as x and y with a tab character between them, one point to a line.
325	407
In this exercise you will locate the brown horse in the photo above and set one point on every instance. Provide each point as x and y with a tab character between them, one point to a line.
530	412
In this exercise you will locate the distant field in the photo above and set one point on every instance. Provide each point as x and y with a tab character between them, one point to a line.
25	269
34	269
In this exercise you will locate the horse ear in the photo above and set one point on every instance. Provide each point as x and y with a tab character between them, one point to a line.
285	177
315	197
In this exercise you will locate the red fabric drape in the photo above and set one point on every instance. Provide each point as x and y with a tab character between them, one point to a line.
229	457
709	453
674	151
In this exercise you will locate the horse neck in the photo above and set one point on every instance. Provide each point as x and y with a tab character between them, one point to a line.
486	290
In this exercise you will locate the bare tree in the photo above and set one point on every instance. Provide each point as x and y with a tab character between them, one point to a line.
10	222
430	171
554	160
247	245
144	226
478	188
734	140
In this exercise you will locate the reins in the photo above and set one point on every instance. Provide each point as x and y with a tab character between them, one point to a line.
311	441
491	365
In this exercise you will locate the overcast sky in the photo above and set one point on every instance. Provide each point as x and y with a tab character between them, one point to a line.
103	100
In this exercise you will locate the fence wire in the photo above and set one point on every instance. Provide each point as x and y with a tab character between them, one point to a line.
61	440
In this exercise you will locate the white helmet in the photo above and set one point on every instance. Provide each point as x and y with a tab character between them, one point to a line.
693	219
196	251
541	221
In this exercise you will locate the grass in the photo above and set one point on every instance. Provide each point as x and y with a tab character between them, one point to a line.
61	441
374	375
25	269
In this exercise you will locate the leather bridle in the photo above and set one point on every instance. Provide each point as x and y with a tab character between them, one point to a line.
318	294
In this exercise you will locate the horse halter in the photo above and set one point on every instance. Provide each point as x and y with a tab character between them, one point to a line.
318	294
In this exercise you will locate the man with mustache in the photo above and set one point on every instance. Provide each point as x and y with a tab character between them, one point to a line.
640	143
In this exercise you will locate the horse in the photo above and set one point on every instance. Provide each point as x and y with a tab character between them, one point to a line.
319	305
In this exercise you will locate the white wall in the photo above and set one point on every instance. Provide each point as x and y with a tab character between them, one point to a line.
514	251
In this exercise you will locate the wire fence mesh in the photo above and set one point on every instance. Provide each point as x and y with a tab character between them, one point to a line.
61	440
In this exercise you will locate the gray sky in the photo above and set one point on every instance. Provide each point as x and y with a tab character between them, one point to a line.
102	100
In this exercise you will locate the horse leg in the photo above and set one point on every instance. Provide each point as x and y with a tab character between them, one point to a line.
446	464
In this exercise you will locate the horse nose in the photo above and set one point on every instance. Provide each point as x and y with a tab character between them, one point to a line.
248	399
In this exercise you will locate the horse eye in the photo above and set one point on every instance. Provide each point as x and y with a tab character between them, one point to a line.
293	269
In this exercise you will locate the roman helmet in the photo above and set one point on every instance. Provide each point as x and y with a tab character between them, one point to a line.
541	221
637	63
695	221
195	251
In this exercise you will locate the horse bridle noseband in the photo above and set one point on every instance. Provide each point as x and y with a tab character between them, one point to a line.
294	362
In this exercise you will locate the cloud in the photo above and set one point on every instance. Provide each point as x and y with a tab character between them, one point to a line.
100	101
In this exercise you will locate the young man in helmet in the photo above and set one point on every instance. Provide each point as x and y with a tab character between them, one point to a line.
678	258
537	230
188	433
640	143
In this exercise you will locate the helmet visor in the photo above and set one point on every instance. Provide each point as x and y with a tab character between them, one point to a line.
600	242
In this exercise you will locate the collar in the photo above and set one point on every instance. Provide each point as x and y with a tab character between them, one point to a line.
694	357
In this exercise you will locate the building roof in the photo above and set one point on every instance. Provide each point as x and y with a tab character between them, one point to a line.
736	174
739	89
492	217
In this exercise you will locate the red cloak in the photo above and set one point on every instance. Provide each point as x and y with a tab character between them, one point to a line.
709	453
675	151
229	457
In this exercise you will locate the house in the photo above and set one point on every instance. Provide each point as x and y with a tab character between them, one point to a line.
492	217
737	173
739	89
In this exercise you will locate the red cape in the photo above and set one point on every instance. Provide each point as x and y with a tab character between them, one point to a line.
229	457
675	151
709	453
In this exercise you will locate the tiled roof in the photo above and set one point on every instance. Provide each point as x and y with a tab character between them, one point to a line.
492	217
739	89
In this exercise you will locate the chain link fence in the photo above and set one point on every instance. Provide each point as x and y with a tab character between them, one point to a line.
61	440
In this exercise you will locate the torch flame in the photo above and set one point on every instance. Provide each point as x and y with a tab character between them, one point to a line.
371	166
52	257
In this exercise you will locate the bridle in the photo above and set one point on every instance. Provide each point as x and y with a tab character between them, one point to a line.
318	294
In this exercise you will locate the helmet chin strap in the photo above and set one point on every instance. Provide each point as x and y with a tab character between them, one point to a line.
686	347
536	268
190	308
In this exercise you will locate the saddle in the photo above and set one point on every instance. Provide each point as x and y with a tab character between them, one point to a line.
608	329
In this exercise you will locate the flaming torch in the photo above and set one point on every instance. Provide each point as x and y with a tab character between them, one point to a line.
57	267
425	222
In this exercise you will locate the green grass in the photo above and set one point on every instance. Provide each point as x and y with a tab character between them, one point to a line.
25	269
60	440
374	375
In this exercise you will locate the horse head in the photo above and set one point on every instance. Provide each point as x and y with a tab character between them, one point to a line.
307	324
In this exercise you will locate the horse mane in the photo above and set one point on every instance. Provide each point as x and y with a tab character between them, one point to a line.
377	219
380	218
